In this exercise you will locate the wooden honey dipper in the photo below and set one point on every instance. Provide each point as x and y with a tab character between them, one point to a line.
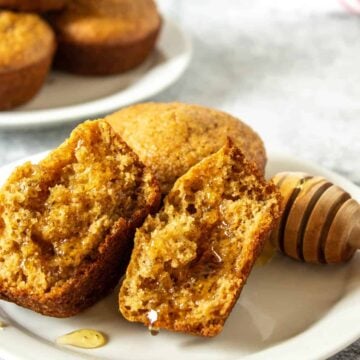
320	222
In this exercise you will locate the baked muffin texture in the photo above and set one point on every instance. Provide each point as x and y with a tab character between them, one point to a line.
33	5
191	260
172	137
101	37
67	224
27	46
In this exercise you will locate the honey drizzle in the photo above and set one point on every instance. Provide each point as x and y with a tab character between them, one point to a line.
216	255
83	338
152	315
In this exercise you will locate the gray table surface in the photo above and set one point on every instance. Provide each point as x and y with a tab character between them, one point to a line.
290	69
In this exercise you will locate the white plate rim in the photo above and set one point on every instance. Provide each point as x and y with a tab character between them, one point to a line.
325	338
14	119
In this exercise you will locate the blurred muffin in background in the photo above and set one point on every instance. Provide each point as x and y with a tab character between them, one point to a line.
33	5
27	47
102	37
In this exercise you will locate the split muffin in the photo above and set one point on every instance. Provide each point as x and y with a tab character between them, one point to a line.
172	137
33	5
192	258
67	223
26	51
102	37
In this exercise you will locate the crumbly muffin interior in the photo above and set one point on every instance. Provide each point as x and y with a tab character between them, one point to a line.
54	215
192	258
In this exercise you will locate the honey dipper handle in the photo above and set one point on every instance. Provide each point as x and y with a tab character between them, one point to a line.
354	238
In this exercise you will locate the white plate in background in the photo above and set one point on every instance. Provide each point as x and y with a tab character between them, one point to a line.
66	97
287	310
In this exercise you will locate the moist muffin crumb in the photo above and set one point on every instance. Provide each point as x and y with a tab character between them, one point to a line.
192	259
67	223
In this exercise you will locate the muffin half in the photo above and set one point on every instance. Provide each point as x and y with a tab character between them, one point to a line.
192	258
67	223
101	37
26	51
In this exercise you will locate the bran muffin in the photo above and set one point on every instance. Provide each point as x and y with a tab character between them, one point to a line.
27	46
67	223
102	37
172	137
33	5
192	258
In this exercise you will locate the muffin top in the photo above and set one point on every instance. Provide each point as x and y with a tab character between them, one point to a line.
172	137
25	40
107	21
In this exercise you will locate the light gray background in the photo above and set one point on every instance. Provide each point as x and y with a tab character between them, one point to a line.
290	69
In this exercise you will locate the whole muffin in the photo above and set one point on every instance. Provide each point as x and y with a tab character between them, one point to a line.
33	5
102	37
172	137
27	46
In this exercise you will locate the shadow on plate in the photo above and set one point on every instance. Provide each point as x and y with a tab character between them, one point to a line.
281	300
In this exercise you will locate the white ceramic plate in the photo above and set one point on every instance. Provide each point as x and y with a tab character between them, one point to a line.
288	310
67	98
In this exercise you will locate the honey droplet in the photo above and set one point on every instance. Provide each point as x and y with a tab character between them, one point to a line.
2	325
216	255
83	338
153	316
154	330
266	255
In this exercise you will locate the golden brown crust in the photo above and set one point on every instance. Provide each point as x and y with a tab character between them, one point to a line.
34	5
25	40
107	21
192	259
19	86
172	137
103	59
105	37
69	290
27	48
